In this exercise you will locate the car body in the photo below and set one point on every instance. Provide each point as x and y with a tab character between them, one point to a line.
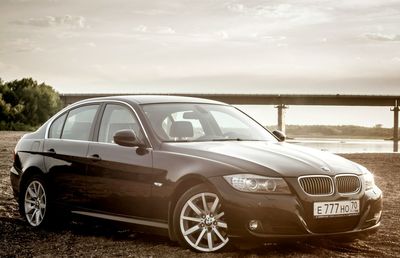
198	170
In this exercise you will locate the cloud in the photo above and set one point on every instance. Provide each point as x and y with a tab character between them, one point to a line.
141	28
154	30
239	8
222	34
286	13
67	35
269	38
4	67
165	30
91	44
26	1
382	37
21	45
54	21
151	12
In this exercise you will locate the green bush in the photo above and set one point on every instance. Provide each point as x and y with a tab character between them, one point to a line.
25	104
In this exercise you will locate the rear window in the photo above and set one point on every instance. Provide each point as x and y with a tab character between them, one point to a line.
56	127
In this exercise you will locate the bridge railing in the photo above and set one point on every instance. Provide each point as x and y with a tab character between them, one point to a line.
281	101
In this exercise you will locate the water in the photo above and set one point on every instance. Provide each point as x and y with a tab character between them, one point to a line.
346	145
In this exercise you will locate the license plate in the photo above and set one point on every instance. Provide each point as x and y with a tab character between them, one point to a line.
336	209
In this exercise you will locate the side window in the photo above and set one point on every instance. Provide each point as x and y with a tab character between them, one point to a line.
56	127
115	118
79	122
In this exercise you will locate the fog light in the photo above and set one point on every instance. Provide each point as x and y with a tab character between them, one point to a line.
377	216
253	225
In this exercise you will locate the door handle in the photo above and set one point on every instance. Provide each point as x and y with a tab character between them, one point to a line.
51	151
95	157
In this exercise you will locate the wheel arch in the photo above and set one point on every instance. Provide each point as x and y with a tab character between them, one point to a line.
28	173
183	185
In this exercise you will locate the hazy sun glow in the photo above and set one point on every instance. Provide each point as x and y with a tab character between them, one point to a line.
208	46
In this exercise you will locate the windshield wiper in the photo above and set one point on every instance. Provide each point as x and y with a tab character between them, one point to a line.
216	140
227	139
179	141
232	139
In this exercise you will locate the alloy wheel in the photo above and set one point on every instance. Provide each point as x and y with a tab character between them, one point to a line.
202	223
35	203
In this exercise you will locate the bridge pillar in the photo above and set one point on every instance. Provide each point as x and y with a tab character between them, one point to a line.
395	110
281	117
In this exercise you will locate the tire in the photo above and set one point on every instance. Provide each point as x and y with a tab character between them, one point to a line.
34	202
199	220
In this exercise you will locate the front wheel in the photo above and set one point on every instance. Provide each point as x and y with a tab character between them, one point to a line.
199	220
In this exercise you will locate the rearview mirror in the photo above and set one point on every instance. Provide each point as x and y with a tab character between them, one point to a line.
127	138
190	115
280	135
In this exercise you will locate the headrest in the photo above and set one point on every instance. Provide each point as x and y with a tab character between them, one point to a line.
181	129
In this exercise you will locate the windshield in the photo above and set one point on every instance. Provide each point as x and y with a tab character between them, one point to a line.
190	122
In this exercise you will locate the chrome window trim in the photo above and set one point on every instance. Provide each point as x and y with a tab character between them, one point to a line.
114	144
100	102
353	175
65	110
330	178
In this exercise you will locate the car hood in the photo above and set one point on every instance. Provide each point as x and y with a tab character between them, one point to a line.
269	158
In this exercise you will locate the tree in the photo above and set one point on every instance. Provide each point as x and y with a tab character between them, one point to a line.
25	104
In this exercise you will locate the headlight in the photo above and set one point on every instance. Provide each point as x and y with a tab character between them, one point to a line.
367	176
369	180
258	184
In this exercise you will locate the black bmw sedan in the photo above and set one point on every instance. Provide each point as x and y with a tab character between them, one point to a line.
200	171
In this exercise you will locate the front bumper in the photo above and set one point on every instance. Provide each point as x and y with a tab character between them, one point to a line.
289	217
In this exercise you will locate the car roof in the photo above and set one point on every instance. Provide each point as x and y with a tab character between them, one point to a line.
155	99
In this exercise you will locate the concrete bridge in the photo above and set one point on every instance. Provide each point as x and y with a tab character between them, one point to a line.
282	101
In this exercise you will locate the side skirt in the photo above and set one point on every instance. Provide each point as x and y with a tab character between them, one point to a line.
123	219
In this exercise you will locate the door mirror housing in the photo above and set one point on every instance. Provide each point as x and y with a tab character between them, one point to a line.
127	138
280	135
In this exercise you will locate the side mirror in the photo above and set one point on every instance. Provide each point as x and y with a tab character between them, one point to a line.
280	135
127	138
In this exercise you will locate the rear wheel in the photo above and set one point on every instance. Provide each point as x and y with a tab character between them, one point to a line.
34	202
199	220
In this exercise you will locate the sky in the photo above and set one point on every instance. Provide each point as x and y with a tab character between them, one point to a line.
210	46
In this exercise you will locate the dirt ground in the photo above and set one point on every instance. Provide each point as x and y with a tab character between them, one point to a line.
87	238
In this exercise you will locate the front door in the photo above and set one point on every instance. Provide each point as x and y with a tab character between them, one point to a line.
119	178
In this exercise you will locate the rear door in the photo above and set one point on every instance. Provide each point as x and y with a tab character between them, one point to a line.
66	154
119	178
